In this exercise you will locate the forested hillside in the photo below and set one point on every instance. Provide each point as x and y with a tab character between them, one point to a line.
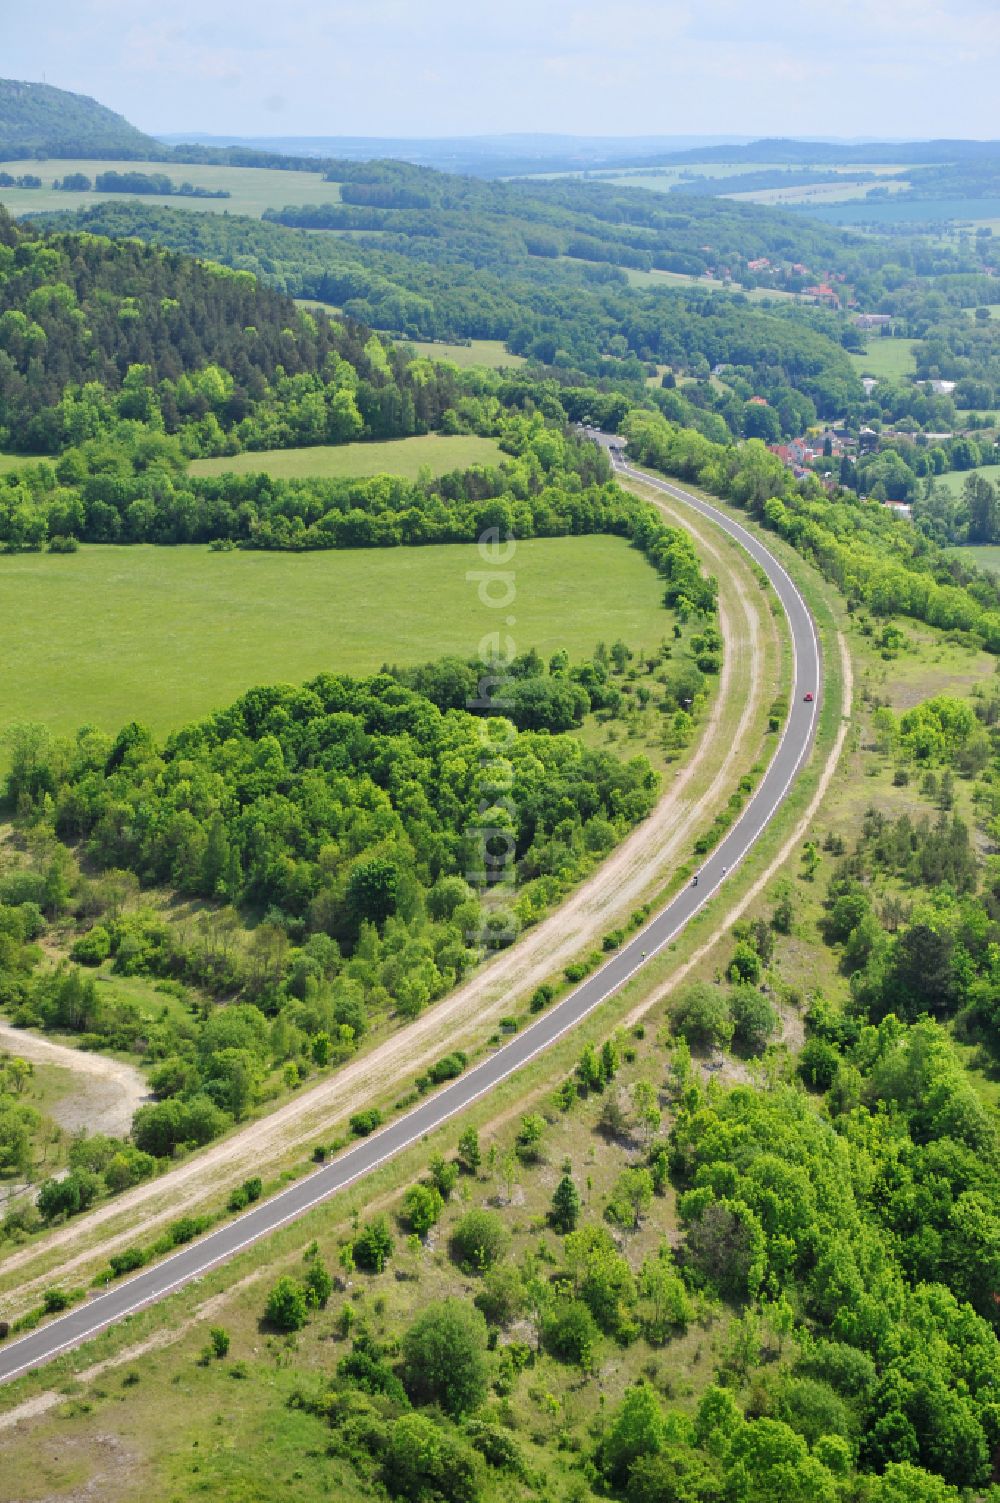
470	282
92	332
39	120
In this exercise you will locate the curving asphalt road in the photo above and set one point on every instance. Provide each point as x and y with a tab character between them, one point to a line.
198	1257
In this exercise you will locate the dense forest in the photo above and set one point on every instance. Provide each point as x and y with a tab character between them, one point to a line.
580	314
93	332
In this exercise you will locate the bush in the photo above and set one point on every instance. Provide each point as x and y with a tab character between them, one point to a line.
422	1207
219	1337
373	1245
701	1015
92	948
502	1296
363	1123
245	1194
480	1240
68	1196
819	1062
447	1068
127	1261
286	1308
755	1021
541	997
444	1359
569	1333
318	1284
421	1462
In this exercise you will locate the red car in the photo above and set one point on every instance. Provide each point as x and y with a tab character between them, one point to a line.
808	697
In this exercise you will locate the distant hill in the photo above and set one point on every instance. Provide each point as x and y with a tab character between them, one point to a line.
515	154
811	153
37	120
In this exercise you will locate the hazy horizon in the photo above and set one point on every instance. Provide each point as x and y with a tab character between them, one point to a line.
389	69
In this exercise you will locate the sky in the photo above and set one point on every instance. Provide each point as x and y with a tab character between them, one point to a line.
892	68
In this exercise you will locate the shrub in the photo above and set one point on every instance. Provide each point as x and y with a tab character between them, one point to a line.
286	1308
365	1368
447	1068
421	1461
373	1245
701	1015
502	1296
245	1194
444	1357
755	1021
219	1339
529	1138
363	1123
569	1333
819	1062
127	1261
480	1240
422	1207
318	1284
93	947
541	997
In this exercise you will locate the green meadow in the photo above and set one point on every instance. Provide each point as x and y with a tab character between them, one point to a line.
954	480
490	352
400	456
984	558
889	358
163	635
252	189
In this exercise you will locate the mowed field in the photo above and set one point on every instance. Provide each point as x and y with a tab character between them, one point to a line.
402	456
892	358
164	635
252	189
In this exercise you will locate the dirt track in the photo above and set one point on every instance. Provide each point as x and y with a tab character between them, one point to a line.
108	1091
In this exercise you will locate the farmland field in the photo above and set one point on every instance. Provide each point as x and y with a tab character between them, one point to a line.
253	189
162	635
401	456
891	358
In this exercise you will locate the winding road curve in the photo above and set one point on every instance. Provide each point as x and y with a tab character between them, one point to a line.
197	1258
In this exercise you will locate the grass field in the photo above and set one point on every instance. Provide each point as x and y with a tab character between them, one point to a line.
10	462
402	456
983	558
253	189
489	352
954	480
162	635
892	358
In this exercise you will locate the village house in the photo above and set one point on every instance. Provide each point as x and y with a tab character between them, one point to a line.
822	292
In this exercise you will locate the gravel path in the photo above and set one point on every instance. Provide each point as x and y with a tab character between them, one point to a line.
105	1094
